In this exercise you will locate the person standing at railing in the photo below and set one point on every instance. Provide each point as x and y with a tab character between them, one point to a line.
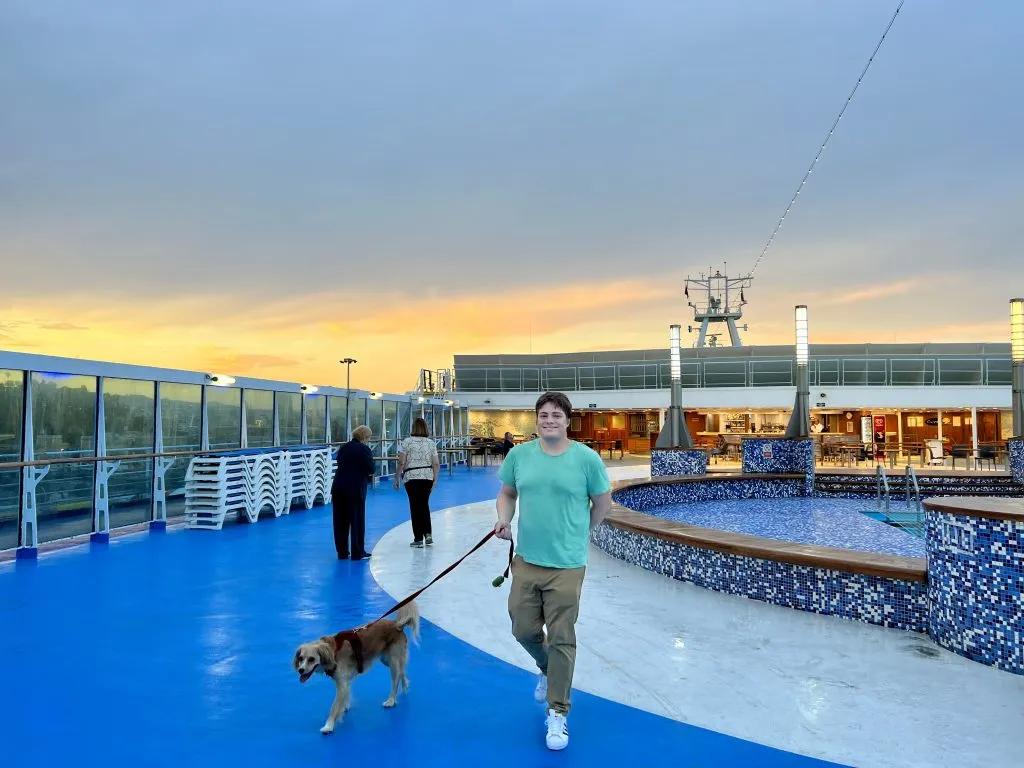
348	494
418	468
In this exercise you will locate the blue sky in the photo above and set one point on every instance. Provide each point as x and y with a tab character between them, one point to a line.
198	183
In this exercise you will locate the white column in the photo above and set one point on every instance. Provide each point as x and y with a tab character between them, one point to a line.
104	470
899	430
243	441
974	435
277	424
303	431
30	478
204	437
160	466
940	425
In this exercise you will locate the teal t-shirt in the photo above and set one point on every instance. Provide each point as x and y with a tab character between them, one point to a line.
554	501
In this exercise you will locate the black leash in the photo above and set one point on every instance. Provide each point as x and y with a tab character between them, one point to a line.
352	635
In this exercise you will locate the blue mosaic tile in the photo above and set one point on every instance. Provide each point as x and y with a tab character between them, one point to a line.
772	455
975	584
1017	459
886	602
643	496
858	486
823	522
676	461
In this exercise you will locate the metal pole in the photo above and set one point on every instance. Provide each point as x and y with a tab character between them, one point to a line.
1018	399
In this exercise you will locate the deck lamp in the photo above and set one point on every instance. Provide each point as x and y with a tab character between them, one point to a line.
675	434
1017	360
800	419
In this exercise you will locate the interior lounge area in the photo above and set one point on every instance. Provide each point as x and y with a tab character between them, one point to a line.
957	438
953	439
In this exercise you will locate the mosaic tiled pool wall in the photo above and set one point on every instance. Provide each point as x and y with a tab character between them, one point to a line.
1017	459
862	486
641	497
678	461
975	580
886	602
765	455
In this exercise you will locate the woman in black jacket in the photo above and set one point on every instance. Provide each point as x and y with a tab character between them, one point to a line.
348	494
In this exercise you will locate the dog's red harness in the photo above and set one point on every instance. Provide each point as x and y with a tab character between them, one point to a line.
352	635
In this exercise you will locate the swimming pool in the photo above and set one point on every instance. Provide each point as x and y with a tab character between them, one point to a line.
827	522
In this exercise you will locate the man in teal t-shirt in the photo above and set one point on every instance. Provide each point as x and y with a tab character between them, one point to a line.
563	491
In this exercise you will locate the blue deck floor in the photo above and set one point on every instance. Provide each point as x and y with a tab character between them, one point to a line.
175	650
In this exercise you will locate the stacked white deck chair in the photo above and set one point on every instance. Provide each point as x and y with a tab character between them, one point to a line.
239	483
310	475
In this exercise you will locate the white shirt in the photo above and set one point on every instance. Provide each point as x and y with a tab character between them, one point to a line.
420	454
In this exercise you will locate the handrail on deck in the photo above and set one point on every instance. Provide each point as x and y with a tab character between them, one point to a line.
194	452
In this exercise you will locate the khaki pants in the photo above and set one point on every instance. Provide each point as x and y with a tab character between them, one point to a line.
547	596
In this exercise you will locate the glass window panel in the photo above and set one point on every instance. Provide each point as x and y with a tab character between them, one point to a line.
224	412
374	412
531	380
471	379
339	430
960	372
1000	372
438	429
390	429
316	419
864	372
181	415
289	417
64	425
725	373
511	379
129	412
911	372
259	418
560	379
404	418
356	413
12	397
771	373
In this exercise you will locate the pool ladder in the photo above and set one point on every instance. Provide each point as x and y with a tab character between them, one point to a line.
911	478
882	487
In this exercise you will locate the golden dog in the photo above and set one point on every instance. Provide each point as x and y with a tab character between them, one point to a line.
345	655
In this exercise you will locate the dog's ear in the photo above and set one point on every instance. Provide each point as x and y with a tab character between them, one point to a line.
325	652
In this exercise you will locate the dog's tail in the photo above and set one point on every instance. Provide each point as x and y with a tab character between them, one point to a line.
409	616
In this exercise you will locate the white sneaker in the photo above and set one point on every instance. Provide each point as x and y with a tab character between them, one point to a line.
540	693
558	731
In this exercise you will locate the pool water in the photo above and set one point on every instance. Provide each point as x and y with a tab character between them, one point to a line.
827	522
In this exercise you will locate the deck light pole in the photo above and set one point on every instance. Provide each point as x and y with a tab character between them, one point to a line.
348	374
800	420
1017	362
675	434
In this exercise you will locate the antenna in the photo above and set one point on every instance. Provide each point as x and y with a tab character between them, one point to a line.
719	299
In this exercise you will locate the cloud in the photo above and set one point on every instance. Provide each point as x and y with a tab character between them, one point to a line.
62	327
880	291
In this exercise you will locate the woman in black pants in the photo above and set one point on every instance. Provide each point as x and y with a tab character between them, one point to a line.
348	494
418	467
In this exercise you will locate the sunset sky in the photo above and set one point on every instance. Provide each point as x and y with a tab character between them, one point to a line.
263	188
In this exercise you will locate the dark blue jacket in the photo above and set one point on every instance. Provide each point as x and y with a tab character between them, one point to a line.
355	468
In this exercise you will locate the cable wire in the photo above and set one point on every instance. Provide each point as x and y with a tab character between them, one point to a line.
831	130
